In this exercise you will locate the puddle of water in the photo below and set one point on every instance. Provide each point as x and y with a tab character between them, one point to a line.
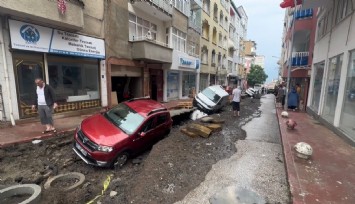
234	195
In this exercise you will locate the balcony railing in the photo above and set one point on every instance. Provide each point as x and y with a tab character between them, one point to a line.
304	13
300	58
146	38
164	5
196	26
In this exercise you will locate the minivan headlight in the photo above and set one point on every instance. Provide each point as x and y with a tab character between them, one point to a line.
105	149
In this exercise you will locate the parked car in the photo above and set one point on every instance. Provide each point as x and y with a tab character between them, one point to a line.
351	95
108	139
211	99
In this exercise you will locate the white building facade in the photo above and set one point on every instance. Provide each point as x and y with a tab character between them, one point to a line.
332	86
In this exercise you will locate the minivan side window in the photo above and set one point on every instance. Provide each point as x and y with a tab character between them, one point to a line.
148	125
161	119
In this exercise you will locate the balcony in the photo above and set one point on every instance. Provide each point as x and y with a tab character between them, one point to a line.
300	59
151	50
165	9
303	14
47	11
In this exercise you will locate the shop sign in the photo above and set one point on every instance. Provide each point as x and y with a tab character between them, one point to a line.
26	36
186	62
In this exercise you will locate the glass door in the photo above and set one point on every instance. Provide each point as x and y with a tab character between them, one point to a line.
28	67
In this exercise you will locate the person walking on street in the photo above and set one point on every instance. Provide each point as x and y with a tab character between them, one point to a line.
293	99
281	95
45	103
236	94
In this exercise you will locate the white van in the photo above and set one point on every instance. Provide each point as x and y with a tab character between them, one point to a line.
211	99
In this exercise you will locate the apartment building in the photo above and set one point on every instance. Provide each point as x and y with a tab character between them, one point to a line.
61	42
331	96
260	61
242	35
214	43
297	47
250	54
233	46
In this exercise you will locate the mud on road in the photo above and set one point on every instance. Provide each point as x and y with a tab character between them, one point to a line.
165	174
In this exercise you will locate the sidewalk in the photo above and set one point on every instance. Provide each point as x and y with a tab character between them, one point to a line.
329	176
30	131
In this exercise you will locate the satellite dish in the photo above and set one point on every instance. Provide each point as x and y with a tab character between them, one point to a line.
149	35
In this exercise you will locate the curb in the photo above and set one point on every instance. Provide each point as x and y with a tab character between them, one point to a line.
40	137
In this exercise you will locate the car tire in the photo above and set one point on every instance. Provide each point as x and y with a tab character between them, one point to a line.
120	160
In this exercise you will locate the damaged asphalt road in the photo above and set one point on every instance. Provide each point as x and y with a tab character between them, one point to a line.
166	174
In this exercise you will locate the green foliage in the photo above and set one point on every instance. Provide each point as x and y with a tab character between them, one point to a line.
256	76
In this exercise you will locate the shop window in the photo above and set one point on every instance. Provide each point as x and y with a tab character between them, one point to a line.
347	119
332	88
188	84
28	67
173	85
317	85
73	79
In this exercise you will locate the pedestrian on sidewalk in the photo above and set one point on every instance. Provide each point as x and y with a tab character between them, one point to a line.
293	99
45	103
281	95
236	94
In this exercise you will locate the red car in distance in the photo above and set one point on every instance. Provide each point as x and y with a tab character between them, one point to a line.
108	139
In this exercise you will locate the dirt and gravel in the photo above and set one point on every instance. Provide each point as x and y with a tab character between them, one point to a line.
164	174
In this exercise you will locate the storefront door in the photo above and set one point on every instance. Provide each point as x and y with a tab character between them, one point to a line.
156	84
27	67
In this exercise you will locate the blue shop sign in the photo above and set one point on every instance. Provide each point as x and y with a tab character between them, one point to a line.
186	62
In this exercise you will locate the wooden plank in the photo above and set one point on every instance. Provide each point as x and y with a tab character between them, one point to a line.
186	132
199	130
214	127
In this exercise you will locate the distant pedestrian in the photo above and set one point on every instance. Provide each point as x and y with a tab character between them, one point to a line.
281	95
236	94
45	103
293	99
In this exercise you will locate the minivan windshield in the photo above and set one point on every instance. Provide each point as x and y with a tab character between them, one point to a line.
211	95
125	118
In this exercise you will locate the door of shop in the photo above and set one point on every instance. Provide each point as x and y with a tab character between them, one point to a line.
156	84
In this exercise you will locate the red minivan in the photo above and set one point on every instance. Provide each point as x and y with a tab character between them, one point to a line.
108	139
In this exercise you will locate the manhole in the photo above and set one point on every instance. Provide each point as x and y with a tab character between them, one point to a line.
23	194
236	195
65	182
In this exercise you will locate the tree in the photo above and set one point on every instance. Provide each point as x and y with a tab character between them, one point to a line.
256	76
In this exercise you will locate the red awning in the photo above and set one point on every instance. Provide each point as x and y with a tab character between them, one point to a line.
290	3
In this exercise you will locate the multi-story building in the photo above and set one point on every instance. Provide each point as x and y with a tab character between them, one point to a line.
214	42
297	47
233	46
61	42
242	35
332	87
250	54
260	61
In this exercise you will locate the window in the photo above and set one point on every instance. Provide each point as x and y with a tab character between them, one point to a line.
213	59
179	40
215	13
317	86
221	18
332	88
206	6
225	42
225	22
344	8
148	125
220	40
204	55
205	30
214	35
347	119
181	5
138	28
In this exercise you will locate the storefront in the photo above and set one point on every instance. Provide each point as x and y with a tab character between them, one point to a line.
68	62
182	78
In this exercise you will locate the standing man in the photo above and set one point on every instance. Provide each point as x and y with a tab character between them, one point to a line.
236	101
46	103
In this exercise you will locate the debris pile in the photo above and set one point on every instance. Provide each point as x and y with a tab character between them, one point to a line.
202	128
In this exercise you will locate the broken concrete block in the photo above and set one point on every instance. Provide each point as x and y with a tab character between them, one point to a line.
218	121
214	127
199	130
186	132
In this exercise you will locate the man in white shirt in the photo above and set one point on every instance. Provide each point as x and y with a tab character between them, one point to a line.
45	103
236	94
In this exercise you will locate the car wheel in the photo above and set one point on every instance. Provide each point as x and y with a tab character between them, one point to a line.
120	160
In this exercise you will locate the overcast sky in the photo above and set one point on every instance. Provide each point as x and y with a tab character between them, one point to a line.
265	22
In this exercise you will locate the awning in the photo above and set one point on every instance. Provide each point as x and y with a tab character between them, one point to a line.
306	4
290	3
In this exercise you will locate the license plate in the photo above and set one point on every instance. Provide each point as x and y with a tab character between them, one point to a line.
81	149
